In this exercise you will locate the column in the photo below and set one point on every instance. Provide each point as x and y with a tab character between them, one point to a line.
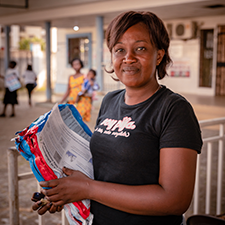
6	50
99	50
48	61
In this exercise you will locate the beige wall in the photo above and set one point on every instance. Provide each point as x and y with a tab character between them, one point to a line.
190	50
187	51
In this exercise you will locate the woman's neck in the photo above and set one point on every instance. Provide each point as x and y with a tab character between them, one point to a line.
77	74
135	96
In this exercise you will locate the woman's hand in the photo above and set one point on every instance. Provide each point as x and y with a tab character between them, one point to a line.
73	188
171	196
43	208
48	207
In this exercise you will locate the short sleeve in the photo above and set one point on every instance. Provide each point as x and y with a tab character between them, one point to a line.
180	127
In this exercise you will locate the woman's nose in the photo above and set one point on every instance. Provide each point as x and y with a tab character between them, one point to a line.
129	58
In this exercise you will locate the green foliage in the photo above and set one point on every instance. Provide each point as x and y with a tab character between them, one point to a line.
24	43
40	41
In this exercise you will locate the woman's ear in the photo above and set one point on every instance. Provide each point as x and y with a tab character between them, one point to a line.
160	55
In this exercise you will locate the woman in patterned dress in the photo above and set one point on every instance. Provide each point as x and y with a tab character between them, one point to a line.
85	97
75	82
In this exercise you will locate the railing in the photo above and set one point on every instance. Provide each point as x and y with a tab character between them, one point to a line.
14	177
13	181
208	143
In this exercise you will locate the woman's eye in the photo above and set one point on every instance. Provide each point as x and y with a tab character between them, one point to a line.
119	50
141	48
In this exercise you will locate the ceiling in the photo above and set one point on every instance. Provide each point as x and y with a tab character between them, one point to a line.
65	13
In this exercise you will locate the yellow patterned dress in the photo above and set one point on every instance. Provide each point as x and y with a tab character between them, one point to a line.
75	87
84	107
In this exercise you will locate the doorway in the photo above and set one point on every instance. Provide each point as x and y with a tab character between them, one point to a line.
206	58
220	68
80	46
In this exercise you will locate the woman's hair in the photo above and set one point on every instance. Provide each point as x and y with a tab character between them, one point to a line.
157	33
29	67
77	59
93	71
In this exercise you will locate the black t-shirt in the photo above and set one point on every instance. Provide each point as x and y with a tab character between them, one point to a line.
126	145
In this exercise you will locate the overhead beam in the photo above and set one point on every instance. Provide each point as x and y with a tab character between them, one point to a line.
96	8
25	6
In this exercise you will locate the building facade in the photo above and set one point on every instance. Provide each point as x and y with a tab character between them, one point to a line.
197	42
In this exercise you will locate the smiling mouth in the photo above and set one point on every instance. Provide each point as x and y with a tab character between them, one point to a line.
130	70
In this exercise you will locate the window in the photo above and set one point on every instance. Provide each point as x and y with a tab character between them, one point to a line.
79	46
206	58
22	28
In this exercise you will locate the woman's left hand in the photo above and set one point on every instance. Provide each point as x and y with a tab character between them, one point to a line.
40	207
73	188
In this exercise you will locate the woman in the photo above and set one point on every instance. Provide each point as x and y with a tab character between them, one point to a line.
12	84
146	137
84	99
30	79
75	82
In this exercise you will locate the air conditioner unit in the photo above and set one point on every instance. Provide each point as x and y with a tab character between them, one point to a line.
184	30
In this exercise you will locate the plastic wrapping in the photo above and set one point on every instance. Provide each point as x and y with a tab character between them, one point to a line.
78	213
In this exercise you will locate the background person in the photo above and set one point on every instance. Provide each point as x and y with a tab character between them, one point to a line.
85	97
146	138
74	83
10	96
29	79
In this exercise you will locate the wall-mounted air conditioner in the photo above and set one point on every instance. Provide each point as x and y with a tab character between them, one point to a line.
184	30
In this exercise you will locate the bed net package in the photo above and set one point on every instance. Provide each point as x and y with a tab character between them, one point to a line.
56	139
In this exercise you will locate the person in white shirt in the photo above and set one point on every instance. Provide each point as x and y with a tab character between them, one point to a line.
11	85
30	78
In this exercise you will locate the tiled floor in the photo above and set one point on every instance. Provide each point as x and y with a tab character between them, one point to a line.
205	108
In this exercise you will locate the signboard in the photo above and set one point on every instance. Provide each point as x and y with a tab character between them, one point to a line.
180	68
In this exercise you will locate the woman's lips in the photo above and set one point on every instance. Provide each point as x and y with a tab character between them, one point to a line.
130	70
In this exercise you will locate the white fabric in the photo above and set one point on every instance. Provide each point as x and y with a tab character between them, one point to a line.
10	71
29	77
184	221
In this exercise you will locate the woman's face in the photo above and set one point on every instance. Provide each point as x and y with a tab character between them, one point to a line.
76	65
135	58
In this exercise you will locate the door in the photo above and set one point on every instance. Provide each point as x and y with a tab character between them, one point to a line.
220	70
80	46
206	58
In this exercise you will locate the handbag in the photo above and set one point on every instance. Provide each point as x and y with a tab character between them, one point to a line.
12	82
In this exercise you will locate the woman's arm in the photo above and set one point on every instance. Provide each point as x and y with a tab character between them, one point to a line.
66	93
35	75
171	197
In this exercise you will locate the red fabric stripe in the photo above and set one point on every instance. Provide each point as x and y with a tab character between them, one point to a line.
43	167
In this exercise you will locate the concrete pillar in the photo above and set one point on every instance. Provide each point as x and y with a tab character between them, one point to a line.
13	187
48	61
7	46
99	50
15	36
